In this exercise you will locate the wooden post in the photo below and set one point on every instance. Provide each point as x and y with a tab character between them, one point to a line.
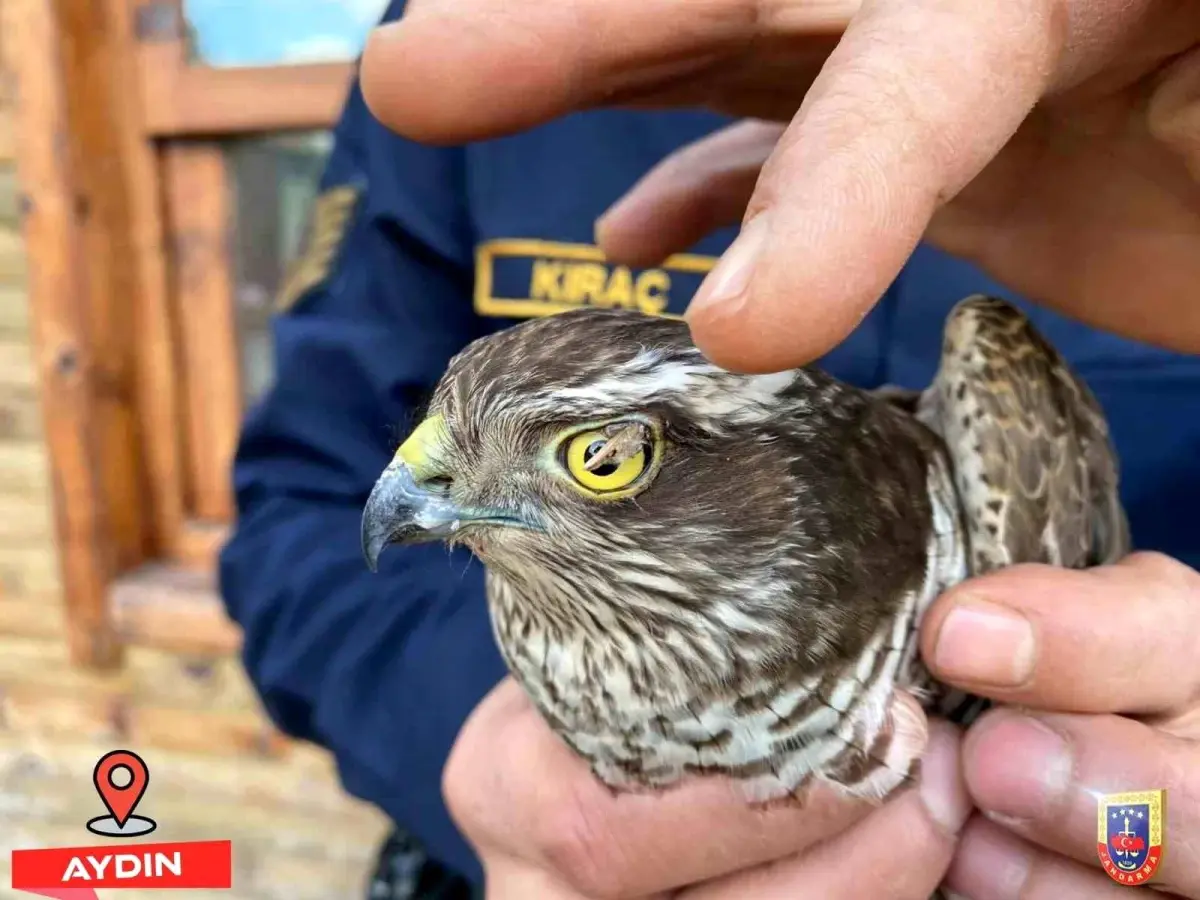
157	389
72	379
199	221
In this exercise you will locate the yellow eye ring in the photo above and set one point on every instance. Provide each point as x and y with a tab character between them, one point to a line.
567	454
607	476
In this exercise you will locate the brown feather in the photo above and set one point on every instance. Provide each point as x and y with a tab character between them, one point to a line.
1034	464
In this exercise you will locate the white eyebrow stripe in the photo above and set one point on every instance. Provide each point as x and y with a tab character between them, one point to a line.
705	390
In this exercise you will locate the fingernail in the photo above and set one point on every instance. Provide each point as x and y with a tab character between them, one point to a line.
942	788
984	643
1017	768
726	284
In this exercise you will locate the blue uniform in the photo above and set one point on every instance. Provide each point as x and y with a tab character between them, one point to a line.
414	252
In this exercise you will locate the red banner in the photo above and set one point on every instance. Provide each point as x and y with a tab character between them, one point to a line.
1138	876
190	864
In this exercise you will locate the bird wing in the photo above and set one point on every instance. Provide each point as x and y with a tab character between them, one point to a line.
900	397
1034	466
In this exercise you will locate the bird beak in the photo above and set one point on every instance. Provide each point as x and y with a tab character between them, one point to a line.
401	511
404	509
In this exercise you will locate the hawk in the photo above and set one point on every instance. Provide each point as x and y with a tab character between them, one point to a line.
691	570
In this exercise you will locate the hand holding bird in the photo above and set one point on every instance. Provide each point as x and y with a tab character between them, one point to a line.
1099	676
545	828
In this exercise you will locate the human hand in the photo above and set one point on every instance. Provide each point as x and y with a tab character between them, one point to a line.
544	827
1056	143
1108	662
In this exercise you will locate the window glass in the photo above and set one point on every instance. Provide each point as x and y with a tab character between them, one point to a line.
275	180
279	32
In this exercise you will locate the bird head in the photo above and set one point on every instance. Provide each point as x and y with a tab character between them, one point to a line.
598	450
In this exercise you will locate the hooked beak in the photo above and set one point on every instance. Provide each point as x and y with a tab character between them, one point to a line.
404	507
402	511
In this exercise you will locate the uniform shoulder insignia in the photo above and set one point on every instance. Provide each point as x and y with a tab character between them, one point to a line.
329	219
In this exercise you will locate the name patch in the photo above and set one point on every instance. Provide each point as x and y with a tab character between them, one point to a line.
522	278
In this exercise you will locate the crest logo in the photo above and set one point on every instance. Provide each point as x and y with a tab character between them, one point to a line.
1129	837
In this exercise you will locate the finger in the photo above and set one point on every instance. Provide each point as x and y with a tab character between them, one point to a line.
890	130
1042	777
514	879
1119	638
992	864
454	71
691	193
1173	113
519	790
898	851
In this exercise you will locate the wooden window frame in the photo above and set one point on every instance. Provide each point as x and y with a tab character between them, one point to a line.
127	221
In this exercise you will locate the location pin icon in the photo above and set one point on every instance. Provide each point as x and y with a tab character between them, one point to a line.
121	800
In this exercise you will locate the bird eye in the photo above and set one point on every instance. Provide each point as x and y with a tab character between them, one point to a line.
610	475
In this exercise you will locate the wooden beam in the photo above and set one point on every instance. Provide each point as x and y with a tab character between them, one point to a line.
201	543
200	225
31	617
61	714
72	378
182	98
306	779
174	609
199	101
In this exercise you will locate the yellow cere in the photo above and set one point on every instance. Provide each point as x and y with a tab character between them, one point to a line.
605	478
420	451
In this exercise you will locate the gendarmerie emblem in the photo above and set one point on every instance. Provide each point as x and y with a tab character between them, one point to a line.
1129	836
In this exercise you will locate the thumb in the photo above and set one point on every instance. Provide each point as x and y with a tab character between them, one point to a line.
917	98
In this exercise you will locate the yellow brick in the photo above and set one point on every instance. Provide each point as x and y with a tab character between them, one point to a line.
13	269
24	469
8	140
14	311
9	194
28	616
29	570
16	365
25	521
20	415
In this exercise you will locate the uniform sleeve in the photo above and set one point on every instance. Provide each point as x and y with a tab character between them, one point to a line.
383	668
